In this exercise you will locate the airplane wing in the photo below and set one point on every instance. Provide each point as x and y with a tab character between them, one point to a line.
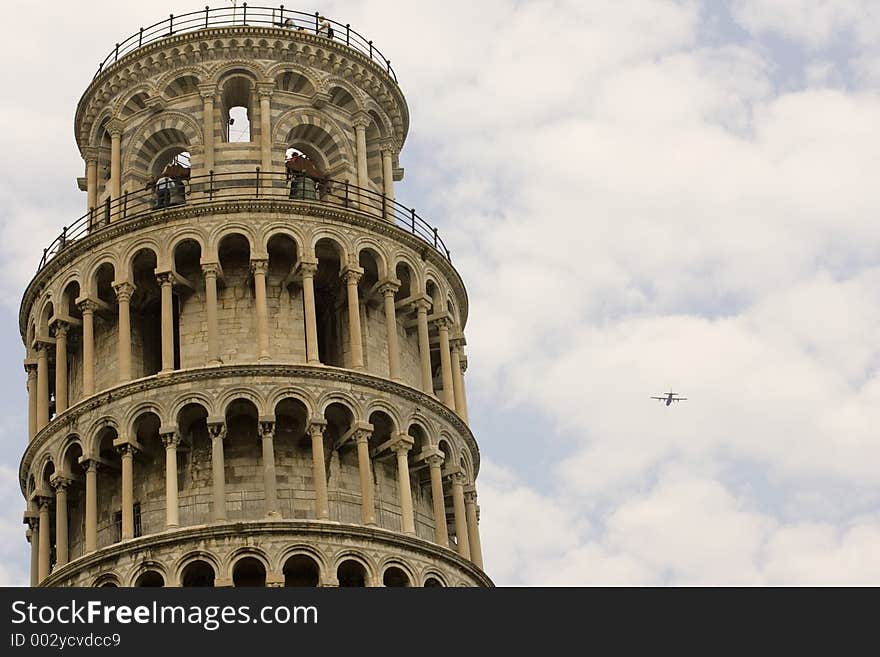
660	398
679	399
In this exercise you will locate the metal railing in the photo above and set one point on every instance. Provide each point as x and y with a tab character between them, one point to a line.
241	185
245	15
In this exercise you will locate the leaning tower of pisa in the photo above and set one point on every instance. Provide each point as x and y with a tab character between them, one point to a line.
245	361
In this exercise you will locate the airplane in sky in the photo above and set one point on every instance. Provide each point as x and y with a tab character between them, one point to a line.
670	397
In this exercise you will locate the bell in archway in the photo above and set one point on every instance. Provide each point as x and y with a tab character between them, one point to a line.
303	187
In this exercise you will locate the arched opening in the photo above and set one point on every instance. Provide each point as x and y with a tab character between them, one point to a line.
284	300
150	578
236	102
135	104
301	570
293	458
436	373
164	159
109	486
242	449
148	477
182	86
197	573
237	341
249	571
375	137
106	581
420	482
194	473
342	99
190	304
146	316
404	275
71	468
395	577
431	582
351	573
330	307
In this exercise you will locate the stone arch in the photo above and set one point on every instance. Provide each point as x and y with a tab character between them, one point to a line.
344	95
94	433
397	562
379	405
358	557
283	228
242	553
292	78
106	580
414	271
146	244
47	311
217	75
134	413
149	565
225	230
300	549
89	287
380	117
71	442
316	135
340	397
134	100
433	574
438	297
192	233
340	243
97	129
372	246
176	130
192	557
191	397
162	83
291	392
185	83
234	394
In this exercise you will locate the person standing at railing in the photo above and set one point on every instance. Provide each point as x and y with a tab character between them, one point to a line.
324	28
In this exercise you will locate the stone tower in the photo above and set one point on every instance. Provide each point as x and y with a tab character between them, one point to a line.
245	361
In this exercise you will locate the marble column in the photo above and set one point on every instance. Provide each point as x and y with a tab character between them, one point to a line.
457	346
124	290
30	367
33	536
91	467
265	93
259	269
270	482
166	280
442	324
91	157
207	93
368	505
126	452
441	534
115	129
211	271
388	289
308	270
473	527
45	535
319	473
461	530
88	308
360	133
61	329
42	349
401	449
170	440
218	470
352	276
421	306
60	484
388	181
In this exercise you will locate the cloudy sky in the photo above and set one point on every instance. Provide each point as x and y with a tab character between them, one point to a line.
639	194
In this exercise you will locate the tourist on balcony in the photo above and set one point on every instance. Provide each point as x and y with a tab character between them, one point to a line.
324	28
163	191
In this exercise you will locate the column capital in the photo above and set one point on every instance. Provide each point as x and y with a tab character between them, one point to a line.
87	305
443	322
43	502
307	268
165	278
169	438
115	126
259	266
422	303
317	425
470	495
125	448
90	154
89	464
208	91
265	89
123	290
61	327
457	478
349	274
435	460
403	443
457	342
389	287
266	427
389	147
30	366
217	428
211	269
361	119
60	481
